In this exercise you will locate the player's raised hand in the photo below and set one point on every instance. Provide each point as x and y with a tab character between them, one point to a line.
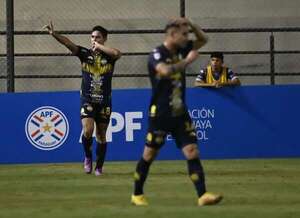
96	46
49	27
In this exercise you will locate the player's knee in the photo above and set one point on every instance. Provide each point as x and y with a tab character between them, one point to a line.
149	154
191	151
101	138
88	134
88	131
148	157
101	135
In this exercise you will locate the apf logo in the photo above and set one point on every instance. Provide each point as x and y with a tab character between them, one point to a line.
119	122
47	128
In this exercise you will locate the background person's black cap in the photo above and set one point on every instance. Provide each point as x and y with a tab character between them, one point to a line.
217	55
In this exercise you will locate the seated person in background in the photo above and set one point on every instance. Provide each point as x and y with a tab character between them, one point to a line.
216	74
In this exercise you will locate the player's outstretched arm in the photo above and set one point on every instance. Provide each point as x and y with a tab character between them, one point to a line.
217	84
234	82
203	84
62	39
112	52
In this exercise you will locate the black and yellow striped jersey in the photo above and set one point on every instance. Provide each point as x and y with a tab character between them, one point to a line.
97	71
168	94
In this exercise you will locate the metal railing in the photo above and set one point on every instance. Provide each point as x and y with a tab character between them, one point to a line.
10	55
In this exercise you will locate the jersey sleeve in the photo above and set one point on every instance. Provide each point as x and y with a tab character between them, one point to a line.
155	58
231	75
82	53
201	76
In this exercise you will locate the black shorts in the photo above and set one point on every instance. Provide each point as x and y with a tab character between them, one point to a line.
181	128
99	112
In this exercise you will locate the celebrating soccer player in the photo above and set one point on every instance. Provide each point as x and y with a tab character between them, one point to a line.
97	69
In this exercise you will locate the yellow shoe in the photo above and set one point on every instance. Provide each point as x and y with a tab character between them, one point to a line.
139	200
209	199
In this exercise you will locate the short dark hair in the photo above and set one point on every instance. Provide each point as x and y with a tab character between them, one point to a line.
217	55
101	29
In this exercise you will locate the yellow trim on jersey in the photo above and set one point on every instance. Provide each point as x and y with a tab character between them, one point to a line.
97	68
210	78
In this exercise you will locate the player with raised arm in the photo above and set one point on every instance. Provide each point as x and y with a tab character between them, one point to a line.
168	112
97	65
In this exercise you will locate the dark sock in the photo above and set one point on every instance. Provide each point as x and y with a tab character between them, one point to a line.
87	146
100	152
140	176
196	174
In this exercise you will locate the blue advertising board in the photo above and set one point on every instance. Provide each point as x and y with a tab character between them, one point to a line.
241	122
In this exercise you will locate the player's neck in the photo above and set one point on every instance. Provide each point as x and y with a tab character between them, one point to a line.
217	70
170	46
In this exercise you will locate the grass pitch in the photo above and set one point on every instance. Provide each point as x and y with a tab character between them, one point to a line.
252	188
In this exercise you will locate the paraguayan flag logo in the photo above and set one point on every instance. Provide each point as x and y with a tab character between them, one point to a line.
47	128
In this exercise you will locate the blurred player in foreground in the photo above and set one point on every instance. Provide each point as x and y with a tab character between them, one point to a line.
168	112
97	69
